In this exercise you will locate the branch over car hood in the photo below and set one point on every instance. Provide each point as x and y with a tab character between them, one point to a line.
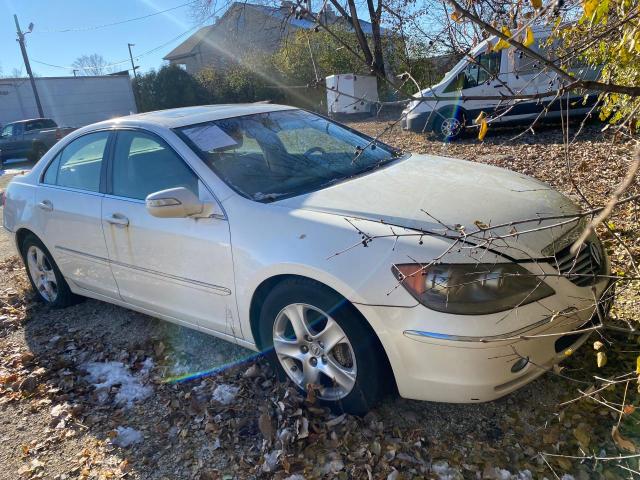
455	192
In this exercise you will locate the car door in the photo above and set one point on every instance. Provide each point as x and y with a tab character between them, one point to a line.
68	213
176	267
482	77
9	142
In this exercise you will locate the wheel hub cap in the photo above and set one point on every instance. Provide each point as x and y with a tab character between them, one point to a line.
314	350
41	272
450	126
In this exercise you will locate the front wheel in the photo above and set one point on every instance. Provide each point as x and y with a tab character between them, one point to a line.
315	338
449	126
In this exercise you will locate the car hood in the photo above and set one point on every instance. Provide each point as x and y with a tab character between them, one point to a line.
415	191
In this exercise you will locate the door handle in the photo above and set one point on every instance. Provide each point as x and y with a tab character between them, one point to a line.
118	219
45	205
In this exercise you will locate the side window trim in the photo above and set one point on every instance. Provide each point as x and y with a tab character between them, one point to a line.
103	166
109	168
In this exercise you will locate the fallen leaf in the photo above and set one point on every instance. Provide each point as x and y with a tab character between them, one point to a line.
622	442
601	359
597	345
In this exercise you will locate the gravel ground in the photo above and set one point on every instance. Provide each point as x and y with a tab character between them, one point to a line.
55	423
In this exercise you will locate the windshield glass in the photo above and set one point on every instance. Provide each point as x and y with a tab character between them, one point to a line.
269	156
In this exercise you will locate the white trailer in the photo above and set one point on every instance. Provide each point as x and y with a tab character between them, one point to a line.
70	101
350	93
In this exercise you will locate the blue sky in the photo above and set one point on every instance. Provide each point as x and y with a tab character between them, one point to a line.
110	42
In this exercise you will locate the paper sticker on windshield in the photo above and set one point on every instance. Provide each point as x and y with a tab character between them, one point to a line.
209	137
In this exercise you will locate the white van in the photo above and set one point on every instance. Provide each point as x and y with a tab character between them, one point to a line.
506	72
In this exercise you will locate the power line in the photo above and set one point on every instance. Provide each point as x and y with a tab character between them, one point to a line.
148	52
106	25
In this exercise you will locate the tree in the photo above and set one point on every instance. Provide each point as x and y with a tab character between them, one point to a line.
94	64
306	56
369	48
169	87
252	80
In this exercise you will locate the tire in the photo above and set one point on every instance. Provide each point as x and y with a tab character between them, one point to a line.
449	125
46	279
353	375
37	151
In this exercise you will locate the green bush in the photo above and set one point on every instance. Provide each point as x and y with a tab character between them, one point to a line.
169	87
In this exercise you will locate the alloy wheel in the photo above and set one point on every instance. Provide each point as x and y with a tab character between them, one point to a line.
314	350
42	273
450	127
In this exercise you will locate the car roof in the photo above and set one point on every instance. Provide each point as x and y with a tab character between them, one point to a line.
28	120
179	117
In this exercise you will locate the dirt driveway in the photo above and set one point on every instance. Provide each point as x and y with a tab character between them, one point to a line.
96	391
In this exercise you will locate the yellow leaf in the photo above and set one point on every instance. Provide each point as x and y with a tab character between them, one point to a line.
597	345
528	37
568	352
623	443
601	359
483	129
503	43
456	16
638	366
536	4
589	7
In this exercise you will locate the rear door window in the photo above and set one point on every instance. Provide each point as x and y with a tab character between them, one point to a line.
80	163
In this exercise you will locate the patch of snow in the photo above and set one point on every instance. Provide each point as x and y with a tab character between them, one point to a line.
525	475
295	476
566	476
225	393
105	375
444	472
502	474
334	466
126	437
271	461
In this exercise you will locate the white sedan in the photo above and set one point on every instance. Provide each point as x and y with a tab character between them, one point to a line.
343	259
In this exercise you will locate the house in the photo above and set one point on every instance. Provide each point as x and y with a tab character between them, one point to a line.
245	27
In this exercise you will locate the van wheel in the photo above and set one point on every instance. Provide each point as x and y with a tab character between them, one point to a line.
312	337
449	125
45	276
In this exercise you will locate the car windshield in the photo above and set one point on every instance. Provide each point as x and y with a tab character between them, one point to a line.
270	156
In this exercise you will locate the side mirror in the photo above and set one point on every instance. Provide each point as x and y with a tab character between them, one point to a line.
176	203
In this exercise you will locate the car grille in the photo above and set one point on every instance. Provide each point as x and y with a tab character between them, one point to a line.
582	269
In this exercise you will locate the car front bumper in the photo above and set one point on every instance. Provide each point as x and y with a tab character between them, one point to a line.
458	369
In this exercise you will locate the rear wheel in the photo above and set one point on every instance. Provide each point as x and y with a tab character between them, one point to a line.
45	277
37	151
313	337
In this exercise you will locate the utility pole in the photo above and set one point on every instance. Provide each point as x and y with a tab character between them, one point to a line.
21	35
135	76
133	66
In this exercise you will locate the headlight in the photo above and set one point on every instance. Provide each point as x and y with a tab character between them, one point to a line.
471	289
